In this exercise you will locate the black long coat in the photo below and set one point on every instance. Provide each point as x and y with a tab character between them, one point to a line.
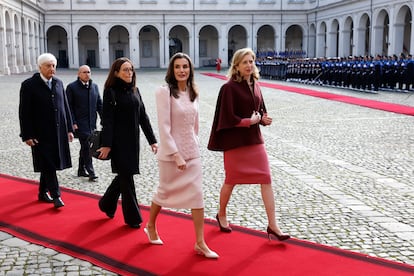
45	116
122	119
85	103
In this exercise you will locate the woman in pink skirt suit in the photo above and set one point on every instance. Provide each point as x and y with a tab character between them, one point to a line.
239	112
180	173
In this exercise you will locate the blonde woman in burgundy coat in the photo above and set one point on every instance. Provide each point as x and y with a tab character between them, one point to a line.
240	111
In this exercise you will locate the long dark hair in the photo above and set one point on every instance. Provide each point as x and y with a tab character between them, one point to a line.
115	68
172	82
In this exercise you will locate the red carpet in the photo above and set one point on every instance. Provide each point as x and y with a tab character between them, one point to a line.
81	230
396	108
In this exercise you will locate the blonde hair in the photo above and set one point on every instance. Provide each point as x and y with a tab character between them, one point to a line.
233	73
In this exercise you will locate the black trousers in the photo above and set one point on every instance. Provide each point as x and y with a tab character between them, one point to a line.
49	183
122	185
85	160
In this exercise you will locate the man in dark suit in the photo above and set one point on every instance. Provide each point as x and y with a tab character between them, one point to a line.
409	76
85	103
378	72
46	126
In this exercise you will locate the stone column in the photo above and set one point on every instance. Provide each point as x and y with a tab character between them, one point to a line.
134	46
103	44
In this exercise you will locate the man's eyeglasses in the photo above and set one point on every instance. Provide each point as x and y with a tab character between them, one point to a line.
86	72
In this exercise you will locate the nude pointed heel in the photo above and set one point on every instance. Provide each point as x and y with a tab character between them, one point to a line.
206	253
156	242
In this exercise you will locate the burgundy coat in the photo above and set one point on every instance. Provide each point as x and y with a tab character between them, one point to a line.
234	103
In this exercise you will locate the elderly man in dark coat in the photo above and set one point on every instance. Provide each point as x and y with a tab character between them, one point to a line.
46	126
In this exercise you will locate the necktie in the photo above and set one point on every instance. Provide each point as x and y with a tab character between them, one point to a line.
49	83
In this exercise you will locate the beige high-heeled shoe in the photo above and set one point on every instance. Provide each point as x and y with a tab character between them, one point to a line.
206	253
156	242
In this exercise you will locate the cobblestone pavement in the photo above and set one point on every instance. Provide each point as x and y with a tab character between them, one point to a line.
342	174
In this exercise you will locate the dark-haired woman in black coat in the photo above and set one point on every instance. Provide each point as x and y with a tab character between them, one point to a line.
122	117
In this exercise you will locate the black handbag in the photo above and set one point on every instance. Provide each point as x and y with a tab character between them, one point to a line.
95	138
95	144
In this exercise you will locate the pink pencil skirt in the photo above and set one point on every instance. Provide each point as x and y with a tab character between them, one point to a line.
247	165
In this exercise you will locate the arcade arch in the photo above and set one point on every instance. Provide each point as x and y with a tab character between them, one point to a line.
312	41
149	45
57	42
25	54
11	62
118	43
294	38
178	40
17	42
29	44
348	37
381	33
364	35
403	30
3	53
208	45
236	39
88	46
322	40
334	39
266	38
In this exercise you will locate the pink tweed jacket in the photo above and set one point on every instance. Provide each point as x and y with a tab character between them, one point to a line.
178	125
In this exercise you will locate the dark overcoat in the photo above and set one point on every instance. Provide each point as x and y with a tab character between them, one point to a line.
122	117
85	104
409	79
44	115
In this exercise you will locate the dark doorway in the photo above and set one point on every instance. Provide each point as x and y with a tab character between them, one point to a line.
175	46
62	59
91	59
119	54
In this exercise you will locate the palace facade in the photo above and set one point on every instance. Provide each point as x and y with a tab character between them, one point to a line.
96	32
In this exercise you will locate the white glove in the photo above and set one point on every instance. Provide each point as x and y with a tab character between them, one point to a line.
255	118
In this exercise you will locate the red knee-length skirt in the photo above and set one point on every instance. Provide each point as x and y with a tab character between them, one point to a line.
247	165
